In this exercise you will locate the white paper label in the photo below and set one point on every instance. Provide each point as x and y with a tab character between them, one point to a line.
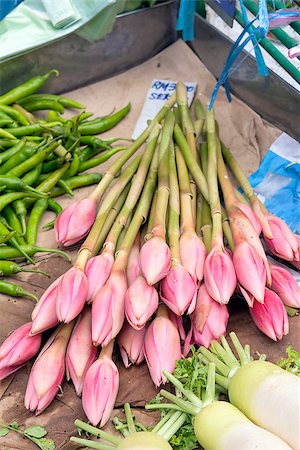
157	95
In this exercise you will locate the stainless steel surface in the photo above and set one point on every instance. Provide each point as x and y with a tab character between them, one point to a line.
271	97
136	37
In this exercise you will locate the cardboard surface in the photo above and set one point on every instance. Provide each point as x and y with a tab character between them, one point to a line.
243	131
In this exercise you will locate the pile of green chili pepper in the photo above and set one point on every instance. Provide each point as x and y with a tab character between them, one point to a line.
42	158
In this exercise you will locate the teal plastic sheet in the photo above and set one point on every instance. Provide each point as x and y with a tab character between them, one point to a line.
29	26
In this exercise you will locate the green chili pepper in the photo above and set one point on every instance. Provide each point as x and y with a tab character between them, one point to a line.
42	104
31	176
5	122
100	159
77	182
35	217
27	88
62	152
50	182
7	134
17	156
21	212
56	208
14	114
89	152
6	199
35	128
13	183
83	116
74	167
54	117
7	252
30	163
14	222
101	125
8	143
8	268
65	101
4	116
29	117
62	184
50	166
4	231
14	290
7	237
7	154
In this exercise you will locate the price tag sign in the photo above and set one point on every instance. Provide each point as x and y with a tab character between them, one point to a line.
157	95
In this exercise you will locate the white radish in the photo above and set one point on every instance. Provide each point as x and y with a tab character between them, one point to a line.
270	397
221	426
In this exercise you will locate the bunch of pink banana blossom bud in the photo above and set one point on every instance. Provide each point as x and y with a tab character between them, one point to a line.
100	387
75	221
141	302
284	243
178	323
133	269
71	294
48	371
247	296
97	272
285	285
271	316
297	263
81	353
208	321
161	346
131	344
250	214
18	348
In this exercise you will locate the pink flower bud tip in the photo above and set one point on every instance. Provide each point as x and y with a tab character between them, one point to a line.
97	272
178	290
285	285
219	275
284	243
48	371
141	301
71	294
108	309
100	389
192	254
18	348
161	347
271	316
75	221
155	260
44	314
81	352
131	343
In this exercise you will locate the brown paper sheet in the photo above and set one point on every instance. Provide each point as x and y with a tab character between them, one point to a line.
243	131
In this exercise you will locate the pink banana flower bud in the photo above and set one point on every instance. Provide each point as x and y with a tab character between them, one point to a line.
108	309
48	371
75	221
44	314
204	304
133	269
141	301
284	243
251	216
247	296
285	285
178	290
161	346
297	263
131	343
71	294
18	348
271	317
192	254
155	260
214	328
178	322
81	352
100	388
250	270
219	274
97	272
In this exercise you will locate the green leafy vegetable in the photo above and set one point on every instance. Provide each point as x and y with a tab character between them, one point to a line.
292	362
185	438
34	433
